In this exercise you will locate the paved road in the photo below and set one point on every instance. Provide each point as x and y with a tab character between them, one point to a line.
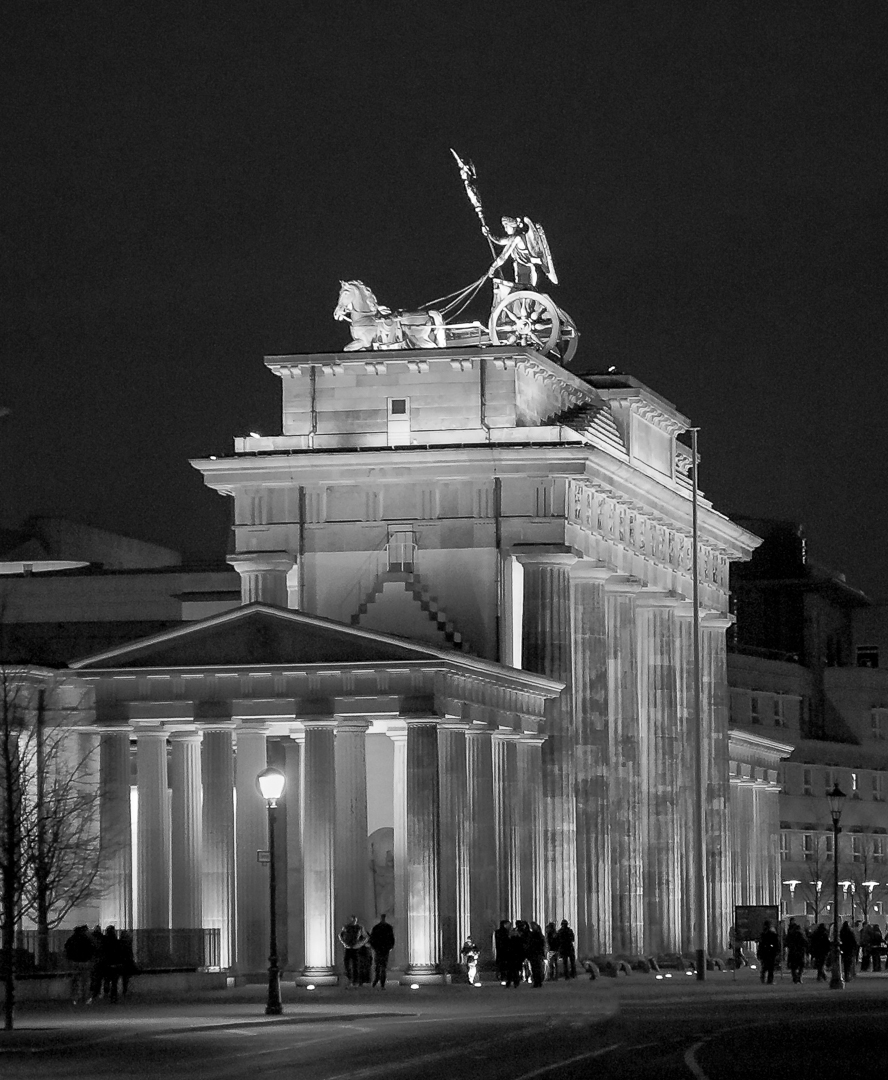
635	1029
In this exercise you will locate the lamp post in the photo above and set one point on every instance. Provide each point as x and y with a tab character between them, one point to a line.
271	783
835	798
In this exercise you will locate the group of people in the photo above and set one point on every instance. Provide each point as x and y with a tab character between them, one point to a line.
102	963
861	944
363	949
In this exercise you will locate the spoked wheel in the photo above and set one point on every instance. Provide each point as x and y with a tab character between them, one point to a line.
528	319
568	340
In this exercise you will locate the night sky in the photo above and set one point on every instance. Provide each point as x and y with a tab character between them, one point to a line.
184	186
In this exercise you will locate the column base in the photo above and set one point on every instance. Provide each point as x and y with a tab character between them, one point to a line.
317	977
423	976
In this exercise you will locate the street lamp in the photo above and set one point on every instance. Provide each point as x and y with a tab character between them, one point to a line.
271	783
835	799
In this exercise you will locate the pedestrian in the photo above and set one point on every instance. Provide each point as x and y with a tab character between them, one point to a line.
470	954
536	954
501	948
79	954
567	949
848	946
818	947
866	946
353	937
768	950
877	944
112	963
129	967
796	947
516	954
382	941
96	975
551	951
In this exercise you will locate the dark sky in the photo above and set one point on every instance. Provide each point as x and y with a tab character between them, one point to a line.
184	186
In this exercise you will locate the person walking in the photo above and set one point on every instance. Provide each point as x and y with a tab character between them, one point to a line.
129	968
382	941
501	948
516	954
796	947
551	951
112	963
536	954
470	954
866	946
353	937
96	975
819	950
567	949
877	944
768	950
848	946
79	953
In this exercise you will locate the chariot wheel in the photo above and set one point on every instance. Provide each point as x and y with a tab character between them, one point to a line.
525	318
568	340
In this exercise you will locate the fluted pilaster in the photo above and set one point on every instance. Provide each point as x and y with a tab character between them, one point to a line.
713	651
318	848
507	814
627	802
186	831
687	771
547	650
661	748
251	830
453	870
423	851
217	753
594	926
530	830
153	871
483	910
352	855
116	828
294	749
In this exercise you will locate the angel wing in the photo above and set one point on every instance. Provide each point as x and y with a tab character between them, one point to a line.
538	246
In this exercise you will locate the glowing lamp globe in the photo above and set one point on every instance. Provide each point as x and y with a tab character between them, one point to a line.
271	783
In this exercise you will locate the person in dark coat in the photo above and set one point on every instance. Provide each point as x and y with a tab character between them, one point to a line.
382	941
848	946
501	946
551	951
79	953
112	963
536	954
796	947
96	974
129	967
516	954
567	949
768	950
819	949
877	944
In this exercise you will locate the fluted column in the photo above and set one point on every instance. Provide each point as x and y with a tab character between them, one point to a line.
352	855
398	734
661	748
294	750
507	814
263	576
423	850
318	848
713	655
684	686
186	830
153	871
217	753
594	926
626	774
453	869
116	828
530	847
547	650
484	914
251	830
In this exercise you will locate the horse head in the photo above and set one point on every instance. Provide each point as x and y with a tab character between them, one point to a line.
354	297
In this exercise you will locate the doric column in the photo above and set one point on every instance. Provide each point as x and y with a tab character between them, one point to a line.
484	914
454	868
352	855
116	828
423	850
594	926
294	749
507	815
153	871
217	771
714	704
186	831
318	848
547	650
251	831
661	747
530	861
398	735
626	773
263	576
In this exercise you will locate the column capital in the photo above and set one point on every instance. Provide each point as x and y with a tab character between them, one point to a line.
624	584
352	723
544	554
654	598
716	621
186	736
248	562
215	725
316	722
589	570
149	731
421	721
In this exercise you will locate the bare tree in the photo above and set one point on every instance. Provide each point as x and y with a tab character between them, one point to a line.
863	866
819	870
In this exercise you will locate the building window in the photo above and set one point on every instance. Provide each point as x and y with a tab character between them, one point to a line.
879	723
868	656
808	846
879	848
807	781
855	785
785	846
857	847
777	705
878	787
829	847
830	780
755	705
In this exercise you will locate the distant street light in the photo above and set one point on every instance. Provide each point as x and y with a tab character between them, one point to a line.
835	799
271	783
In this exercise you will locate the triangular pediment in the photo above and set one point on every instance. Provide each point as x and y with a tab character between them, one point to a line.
258	634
